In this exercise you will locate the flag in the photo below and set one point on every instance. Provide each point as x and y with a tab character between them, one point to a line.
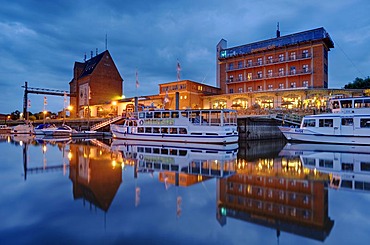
45	101
137	79
29	103
166	100
178	70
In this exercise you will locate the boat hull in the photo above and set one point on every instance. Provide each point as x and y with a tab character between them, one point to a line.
305	135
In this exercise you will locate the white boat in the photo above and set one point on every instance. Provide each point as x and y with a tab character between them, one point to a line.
348	123
4	129
22	129
63	130
39	129
189	126
210	160
348	166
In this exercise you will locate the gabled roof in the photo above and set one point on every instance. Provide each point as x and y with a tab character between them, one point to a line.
91	64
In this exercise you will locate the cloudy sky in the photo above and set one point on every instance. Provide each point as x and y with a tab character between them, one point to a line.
41	40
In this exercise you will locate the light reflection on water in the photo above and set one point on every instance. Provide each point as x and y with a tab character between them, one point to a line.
260	192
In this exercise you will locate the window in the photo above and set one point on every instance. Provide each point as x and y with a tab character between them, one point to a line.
249	63
240	77
293	84
292	70
305	53
305	84
259	61
365	122
231	91
231	66
281	57
326	123
270	87
281	71
259	74
281	85
305	68
231	78
240	64
270	59
249	76
250	89
240	90
309	123
259	88
292	56
269	73
347	121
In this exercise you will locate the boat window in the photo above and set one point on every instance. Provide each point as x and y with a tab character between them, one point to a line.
174	167
365	166
140	149
183	131
157	166
141	115
326	163
156	130
156	150
157	114
184	113
346	103
347	121
148	130
149	114
140	130
164	130
173	152
365	122
148	150
164	151
335	104
346	184
166	114
326	123
367	103
309	123
173	130
175	114
359	103
182	152
347	166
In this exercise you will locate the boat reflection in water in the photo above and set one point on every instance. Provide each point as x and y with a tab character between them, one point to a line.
277	192
347	165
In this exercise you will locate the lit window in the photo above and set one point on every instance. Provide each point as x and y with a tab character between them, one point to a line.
305	84
281	57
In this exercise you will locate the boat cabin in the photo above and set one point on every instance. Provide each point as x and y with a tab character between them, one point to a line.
350	105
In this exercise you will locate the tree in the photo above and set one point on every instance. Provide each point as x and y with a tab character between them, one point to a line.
358	83
15	115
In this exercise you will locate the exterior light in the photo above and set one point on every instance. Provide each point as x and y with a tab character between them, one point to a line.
70	108
114	103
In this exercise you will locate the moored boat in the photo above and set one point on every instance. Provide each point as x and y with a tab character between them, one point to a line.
348	123
4	129
22	129
188	126
63	130
39	129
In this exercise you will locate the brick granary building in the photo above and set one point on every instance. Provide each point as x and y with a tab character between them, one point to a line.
95	81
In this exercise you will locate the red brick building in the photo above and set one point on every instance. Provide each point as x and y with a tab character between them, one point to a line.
96	81
298	60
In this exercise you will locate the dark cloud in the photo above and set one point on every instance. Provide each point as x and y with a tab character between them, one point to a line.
41	40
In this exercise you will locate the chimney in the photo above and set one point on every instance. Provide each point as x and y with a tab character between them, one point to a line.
278	30
91	54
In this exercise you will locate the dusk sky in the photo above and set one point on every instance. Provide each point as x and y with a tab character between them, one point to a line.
41	40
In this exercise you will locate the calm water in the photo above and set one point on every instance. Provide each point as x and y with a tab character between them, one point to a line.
89	192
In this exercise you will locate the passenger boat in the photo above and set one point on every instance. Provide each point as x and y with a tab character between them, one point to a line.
348	123
63	130
22	129
39	129
212	160
190	126
4	129
347	165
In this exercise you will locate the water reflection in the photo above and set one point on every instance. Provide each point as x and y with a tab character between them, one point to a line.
266	183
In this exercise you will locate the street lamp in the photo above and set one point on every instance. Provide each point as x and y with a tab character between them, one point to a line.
44	112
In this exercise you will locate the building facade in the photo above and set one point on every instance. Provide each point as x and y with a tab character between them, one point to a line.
298	60
95	81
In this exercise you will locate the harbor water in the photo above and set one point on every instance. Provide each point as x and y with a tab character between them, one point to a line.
91	191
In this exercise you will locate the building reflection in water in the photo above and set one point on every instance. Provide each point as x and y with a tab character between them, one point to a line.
277	192
96	174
